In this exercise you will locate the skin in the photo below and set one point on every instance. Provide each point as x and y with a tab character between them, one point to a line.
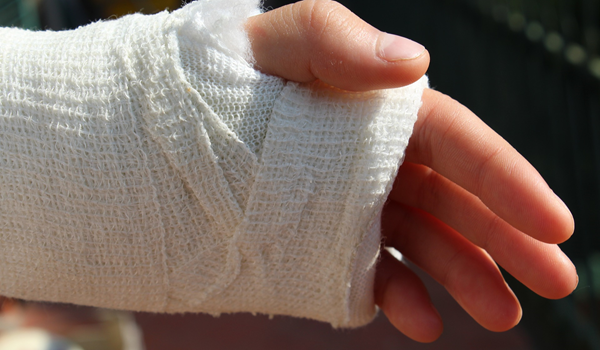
463	201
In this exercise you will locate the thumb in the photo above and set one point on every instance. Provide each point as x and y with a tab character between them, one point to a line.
320	39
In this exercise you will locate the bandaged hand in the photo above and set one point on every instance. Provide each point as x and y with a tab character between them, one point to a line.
463	201
147	165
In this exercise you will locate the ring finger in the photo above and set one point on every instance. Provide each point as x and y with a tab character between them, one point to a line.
466	271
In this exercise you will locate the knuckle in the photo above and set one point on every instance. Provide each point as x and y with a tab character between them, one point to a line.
427	138
490	233
483	171
318	16
429	190
450	275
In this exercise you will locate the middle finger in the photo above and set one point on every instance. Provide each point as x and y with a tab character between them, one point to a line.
542	267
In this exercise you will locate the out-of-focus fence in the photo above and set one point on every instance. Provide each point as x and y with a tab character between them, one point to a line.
19	13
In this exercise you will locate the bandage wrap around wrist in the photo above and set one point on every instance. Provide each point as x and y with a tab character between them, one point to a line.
145	165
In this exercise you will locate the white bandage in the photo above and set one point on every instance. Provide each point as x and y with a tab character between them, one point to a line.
145	165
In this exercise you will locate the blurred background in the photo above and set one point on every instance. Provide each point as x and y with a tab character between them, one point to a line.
528	68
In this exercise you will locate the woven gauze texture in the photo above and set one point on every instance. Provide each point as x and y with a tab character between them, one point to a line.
145	165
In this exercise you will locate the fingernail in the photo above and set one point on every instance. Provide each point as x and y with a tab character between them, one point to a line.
396	48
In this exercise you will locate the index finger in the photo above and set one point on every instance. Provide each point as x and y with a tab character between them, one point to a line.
454	142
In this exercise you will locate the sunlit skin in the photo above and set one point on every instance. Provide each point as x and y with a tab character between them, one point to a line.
463	201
